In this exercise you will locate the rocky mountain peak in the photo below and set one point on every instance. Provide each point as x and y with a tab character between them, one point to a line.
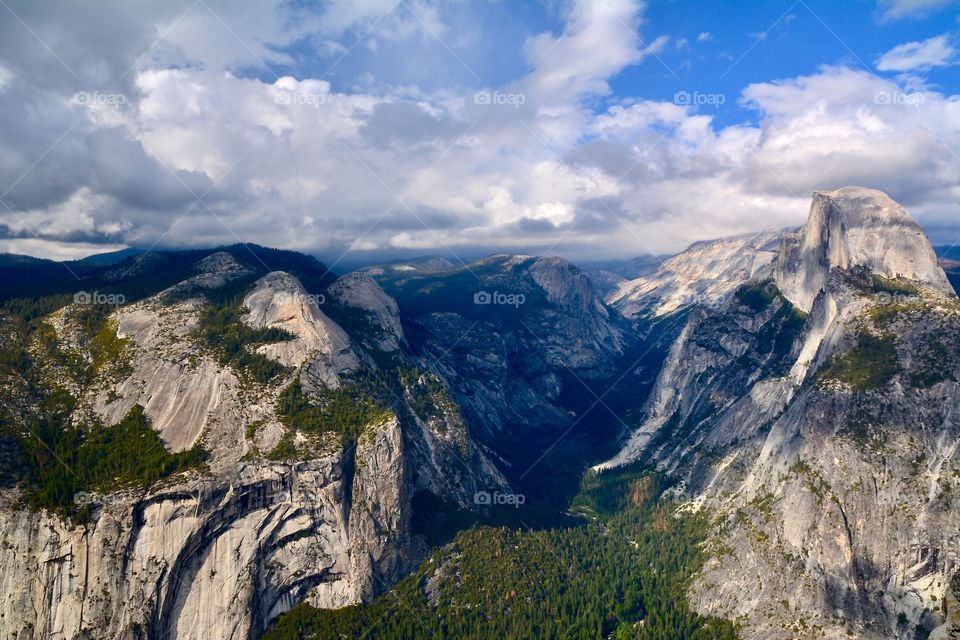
280	301
855	227
563	283
359	290
707	273
220	262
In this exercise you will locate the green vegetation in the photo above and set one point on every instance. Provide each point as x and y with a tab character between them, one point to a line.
45	447
933	362
345	411
776	338
426	394
97	332
622	576
884	315
354	320
870	364
364	398
222	328
608	493
757	296
893	286
58	459
140	276
109	351
285	449
65	460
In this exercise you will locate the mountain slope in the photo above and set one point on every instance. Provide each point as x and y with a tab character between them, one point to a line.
290	451
545	372
705	273
825	441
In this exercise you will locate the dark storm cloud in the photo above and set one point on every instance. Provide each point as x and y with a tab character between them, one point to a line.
122	169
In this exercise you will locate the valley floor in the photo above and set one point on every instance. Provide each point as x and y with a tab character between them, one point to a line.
621	572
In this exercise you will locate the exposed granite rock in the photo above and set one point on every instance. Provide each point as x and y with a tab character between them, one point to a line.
829	458
279	301
509	365
218	554
950	629
210	557
855	227
360	291
704	274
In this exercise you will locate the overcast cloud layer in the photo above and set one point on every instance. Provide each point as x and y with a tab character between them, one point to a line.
197	124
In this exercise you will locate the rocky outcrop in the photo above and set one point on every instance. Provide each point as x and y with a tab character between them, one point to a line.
218	553
704	274
279	301
855	227
511	335
211	557
950	629
814	412
360	291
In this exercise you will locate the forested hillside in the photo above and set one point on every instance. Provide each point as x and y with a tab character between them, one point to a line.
621	573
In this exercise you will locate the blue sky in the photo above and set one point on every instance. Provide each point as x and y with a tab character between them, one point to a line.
358	130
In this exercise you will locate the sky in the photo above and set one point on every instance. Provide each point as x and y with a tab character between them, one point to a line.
372	129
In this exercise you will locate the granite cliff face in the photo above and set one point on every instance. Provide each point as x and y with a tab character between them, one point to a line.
815	413
704	274
855	227
530	352
805	390
208	557
219	551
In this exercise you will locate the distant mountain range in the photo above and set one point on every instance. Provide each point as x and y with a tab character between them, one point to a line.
211	443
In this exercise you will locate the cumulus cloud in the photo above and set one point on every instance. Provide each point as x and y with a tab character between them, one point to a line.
600	39
919	56
213	142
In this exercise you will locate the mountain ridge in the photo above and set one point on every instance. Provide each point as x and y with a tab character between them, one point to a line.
779	415
797	387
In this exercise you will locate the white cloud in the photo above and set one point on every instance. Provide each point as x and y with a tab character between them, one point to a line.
599	40
53	250
6	76
918	56
304	163
704	36
897	9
